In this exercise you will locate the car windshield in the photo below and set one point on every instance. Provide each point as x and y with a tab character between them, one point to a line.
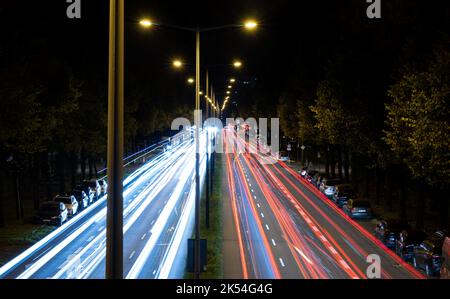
50	207
347	193
345	189
65	200
90	184
332	182
362	204
428	246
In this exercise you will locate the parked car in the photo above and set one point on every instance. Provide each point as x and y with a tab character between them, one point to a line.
87	191
317	180
358	209
103	186
91	187
428	255
51	212
82	198
407	240
327	186
310	175
445	267
342	194
303	172
388	231
70	201
283	156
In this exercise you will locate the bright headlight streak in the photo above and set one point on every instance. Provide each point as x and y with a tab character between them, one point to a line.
160	223
153	189
49	255
47	239
175	243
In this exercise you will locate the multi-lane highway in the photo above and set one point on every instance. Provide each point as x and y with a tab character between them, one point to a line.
158	217
287	229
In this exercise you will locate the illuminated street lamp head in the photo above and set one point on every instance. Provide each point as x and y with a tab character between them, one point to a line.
200	93
146	23
177	63
191	80
237	64
229	86
228	92
232	80
250	25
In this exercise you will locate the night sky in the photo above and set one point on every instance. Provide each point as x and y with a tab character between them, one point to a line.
270	54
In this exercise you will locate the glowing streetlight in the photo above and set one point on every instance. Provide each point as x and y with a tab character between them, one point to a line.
146	23
232	80
228	92
177	63
250	25
237	64
191	80
229	86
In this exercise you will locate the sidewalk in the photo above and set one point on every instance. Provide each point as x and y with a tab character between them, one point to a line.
231	258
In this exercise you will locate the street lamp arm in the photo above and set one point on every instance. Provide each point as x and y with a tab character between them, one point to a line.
220	27
191	29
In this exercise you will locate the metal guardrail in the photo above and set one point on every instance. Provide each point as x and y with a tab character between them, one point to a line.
144	153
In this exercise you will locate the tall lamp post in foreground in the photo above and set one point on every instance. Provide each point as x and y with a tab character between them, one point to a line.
114	219
249	25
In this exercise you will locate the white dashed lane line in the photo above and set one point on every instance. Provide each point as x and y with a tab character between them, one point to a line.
143	236
132	254
273	242
281	262
262	215
267	227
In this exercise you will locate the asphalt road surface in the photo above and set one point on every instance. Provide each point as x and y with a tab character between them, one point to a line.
287	229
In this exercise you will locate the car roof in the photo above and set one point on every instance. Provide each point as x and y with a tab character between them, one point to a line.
50	203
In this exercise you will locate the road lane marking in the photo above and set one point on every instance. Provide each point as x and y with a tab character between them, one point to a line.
253	190
132	254
258	204
262	215
281	262
90	239
42	253
143	236
267	227
273	242
100	229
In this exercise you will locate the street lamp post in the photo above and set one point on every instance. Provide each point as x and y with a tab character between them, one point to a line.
114	219
249	25
197	157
